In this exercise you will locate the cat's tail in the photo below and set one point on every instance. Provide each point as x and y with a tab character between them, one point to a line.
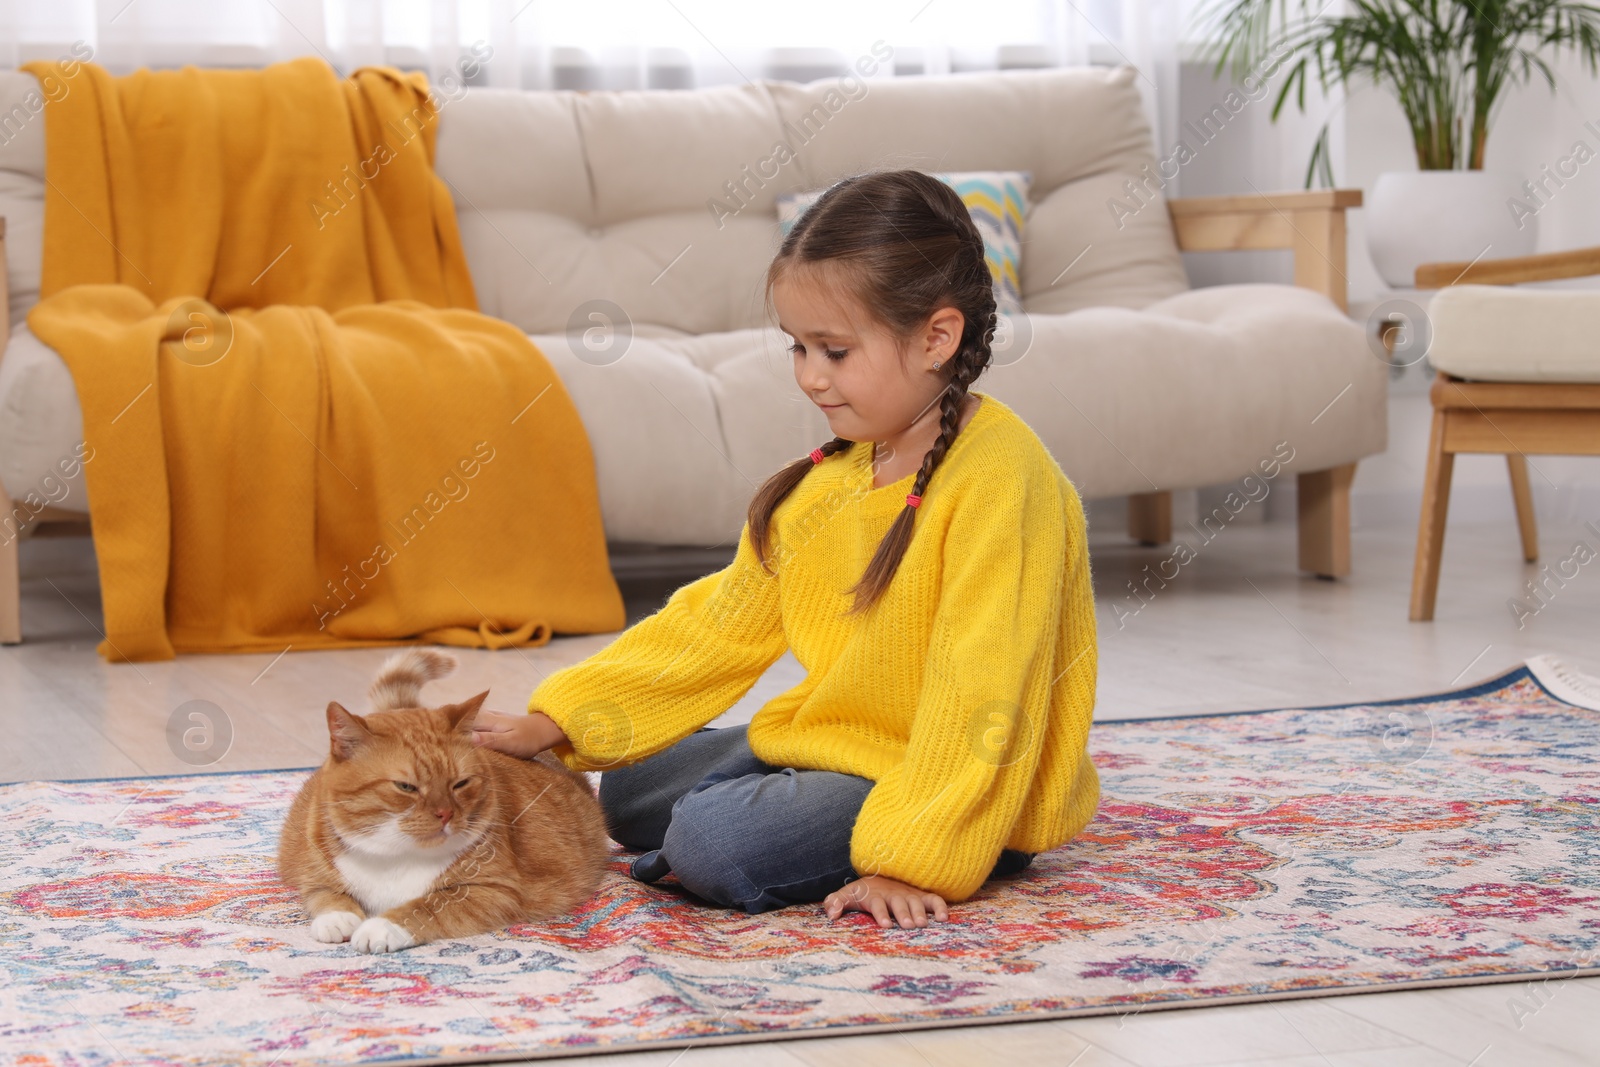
400	680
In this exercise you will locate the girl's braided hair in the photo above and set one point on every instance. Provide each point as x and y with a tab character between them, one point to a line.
905	246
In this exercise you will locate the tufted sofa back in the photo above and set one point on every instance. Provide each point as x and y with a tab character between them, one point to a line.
664	201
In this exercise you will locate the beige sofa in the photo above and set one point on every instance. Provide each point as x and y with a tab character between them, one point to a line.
628	233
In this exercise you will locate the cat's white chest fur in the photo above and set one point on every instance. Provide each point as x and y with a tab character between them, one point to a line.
385	867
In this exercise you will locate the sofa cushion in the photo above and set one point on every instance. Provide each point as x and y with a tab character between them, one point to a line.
509	150
654	425
1498	333
1197	389
535	270
626	217
1080	131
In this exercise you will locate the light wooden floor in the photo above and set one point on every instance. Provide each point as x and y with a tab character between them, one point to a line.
1238	628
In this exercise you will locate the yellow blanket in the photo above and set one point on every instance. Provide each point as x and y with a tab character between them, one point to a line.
304	434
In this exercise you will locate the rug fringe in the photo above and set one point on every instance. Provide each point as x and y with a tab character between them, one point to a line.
1566	682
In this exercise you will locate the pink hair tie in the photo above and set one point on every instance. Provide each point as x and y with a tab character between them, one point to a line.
817	456
914	501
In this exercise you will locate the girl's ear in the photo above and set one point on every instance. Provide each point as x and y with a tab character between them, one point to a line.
943	335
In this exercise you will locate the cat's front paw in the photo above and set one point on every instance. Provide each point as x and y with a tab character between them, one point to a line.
378	934
335	926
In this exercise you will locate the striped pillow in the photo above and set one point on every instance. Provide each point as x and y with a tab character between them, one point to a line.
998	202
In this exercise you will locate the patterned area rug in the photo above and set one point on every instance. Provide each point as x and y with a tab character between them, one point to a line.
1235	857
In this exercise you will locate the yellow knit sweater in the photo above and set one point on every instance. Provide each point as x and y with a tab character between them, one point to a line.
965	694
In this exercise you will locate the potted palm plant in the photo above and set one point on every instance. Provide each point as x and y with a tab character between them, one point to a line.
1447	63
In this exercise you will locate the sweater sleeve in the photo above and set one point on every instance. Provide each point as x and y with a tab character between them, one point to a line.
670	673
940	818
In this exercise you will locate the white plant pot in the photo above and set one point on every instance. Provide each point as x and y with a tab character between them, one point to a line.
1429	216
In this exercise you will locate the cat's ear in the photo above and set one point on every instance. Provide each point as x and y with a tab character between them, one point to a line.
347	732
462	714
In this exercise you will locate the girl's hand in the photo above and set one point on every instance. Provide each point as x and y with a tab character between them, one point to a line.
523	736
880	896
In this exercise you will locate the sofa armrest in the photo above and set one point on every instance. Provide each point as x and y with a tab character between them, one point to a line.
1311	223
1545	267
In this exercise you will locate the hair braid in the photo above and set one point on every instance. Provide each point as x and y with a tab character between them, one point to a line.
779	486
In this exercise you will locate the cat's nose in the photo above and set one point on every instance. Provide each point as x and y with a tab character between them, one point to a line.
444	815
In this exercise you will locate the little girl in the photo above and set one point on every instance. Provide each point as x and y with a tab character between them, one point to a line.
928	568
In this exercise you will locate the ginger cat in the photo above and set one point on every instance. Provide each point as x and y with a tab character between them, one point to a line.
409	832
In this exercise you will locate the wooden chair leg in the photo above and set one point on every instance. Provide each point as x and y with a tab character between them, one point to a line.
1323	515
10	575
1150	517
1430	527
1527	525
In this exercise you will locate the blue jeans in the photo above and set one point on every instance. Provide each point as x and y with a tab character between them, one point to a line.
739	832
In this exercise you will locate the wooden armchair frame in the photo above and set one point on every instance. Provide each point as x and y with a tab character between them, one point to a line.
1312	226
1504	418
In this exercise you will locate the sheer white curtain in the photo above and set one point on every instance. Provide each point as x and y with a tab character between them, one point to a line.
618	44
